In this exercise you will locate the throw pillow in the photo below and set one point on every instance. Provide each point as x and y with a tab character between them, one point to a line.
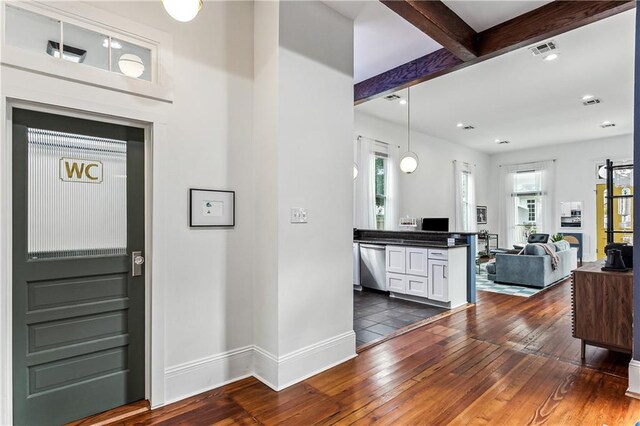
562	245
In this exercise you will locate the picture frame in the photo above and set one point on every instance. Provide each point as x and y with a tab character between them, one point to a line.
212	208
481	215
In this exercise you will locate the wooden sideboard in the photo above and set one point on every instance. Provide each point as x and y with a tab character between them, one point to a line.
602	308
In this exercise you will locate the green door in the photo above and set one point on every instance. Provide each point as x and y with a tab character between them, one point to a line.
78	295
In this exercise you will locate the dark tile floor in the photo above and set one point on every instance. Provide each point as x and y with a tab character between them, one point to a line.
375	314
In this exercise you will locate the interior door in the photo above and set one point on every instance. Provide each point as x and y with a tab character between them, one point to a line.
78	309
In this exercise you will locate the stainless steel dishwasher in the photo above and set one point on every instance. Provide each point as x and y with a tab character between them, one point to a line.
372	266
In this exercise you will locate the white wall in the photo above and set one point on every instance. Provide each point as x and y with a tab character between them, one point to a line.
304	81
315	157
429	191
575	178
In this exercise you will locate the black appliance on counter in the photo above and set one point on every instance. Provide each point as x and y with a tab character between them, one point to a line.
626	252
435	224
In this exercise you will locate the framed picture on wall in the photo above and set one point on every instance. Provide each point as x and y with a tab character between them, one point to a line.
481	215
210	208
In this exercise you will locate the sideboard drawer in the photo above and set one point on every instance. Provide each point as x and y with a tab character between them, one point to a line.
438	254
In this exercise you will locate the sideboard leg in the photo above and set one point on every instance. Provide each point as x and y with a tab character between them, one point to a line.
583	346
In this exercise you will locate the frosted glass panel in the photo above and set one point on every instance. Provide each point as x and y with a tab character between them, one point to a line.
29	30
94	45
77	189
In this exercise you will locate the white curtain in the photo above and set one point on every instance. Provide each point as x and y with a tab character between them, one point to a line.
507	212
544	190
392	208
546	221
466	219
364	185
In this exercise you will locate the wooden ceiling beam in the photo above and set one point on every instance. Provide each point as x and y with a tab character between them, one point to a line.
540	24
440	23
545	22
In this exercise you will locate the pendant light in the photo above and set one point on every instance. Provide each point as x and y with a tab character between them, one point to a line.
409	160
182	10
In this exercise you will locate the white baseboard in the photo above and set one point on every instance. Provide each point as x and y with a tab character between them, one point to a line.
634	379
265	367
313	359
192	378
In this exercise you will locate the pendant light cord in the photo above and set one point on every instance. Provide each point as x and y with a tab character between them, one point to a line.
409	119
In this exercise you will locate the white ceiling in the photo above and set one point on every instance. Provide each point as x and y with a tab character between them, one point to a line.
483	14
383	40
526	100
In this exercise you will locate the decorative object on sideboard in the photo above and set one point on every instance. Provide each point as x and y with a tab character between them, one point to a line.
409	160
210	208
614	261
481	215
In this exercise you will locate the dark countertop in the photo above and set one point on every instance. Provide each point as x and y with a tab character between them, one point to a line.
408	243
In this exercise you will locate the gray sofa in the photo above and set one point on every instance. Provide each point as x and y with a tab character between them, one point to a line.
533	268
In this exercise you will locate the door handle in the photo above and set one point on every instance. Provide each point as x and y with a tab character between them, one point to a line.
137	260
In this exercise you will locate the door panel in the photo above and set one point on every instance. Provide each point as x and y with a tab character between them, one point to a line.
78	213
438	283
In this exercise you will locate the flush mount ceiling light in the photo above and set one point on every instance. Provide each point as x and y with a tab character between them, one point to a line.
131	65
69	53
409	160
182	10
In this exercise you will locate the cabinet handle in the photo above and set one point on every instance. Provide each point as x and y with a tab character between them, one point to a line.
444	269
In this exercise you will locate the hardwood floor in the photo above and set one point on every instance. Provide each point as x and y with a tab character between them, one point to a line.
507	361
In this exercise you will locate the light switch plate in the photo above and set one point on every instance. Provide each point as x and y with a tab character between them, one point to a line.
298	215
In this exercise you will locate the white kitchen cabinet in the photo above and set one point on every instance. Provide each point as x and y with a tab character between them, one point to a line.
439	254
395	259
438	288
416	261
395	282
416	286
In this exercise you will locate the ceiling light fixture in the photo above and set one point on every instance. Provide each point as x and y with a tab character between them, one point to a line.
607	123
587	97
409	160
182	10
403	102
131	65
460	125
550	57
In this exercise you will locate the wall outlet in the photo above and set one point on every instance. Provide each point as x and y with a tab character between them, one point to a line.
298	215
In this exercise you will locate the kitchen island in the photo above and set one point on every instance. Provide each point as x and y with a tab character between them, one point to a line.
420	266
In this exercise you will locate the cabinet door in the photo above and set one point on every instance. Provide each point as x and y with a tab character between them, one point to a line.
396	283
395	259
416	261
416	286
438	282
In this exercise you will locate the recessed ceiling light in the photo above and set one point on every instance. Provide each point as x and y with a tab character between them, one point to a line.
501	142
607	123
551	57
403	101
464	126
497	140
460	125
587	97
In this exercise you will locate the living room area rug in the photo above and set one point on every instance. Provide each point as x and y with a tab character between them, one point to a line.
484	284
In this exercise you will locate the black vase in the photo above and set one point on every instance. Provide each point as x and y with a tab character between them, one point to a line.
614	260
